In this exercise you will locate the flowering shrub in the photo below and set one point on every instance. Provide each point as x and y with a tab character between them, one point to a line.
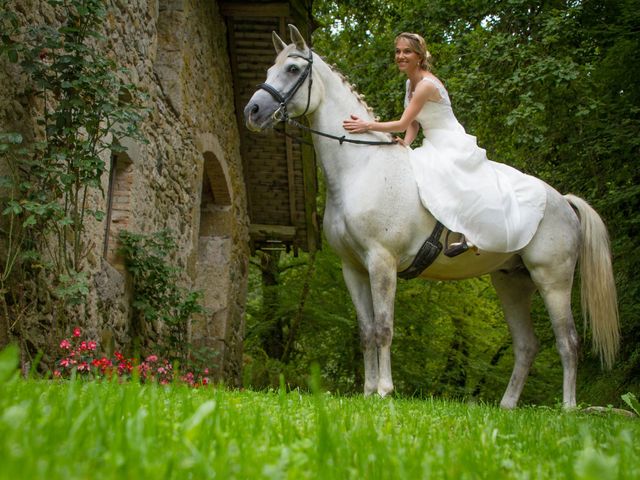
80	356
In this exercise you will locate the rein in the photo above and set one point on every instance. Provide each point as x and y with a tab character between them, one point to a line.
282	115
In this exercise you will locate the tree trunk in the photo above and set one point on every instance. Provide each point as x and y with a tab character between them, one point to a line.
272	337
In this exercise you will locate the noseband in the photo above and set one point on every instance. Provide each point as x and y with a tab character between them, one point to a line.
281	113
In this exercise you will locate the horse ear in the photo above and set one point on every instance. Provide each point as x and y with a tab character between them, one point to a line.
297	38
278	43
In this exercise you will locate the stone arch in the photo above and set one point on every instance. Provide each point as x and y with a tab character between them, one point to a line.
119	207
211	330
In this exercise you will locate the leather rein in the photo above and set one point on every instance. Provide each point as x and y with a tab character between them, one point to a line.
282	115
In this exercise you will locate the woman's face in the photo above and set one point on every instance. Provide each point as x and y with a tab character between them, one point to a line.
406	58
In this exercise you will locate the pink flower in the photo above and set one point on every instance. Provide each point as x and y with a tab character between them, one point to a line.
83	346
83	367
152	358
65	344
57	374
76	332
65	362
92	345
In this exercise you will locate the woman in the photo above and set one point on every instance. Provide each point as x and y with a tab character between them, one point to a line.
494	206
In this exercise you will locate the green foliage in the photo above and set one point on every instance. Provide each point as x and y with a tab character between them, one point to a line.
97	430
548	87
157	296
84	109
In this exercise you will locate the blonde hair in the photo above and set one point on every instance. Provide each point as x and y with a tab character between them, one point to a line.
419	46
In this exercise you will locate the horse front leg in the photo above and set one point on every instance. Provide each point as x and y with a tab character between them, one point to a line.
359	288
383	279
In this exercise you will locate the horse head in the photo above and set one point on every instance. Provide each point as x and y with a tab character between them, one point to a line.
290	89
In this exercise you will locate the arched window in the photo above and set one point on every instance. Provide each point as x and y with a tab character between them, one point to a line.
213	268
215	203
118	206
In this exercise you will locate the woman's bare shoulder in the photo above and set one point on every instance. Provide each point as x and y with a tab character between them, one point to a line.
427	89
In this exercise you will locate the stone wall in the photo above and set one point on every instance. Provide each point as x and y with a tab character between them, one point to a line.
187	178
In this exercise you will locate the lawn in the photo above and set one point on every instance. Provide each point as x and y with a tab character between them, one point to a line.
86	430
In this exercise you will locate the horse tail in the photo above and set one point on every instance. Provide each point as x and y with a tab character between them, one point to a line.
598	289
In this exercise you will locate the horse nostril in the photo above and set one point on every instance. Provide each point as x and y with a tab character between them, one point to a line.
255	108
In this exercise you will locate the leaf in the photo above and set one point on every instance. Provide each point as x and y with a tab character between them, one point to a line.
30	221
13	208
192	424
631	400
9	358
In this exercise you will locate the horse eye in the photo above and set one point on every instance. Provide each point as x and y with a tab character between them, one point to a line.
293	69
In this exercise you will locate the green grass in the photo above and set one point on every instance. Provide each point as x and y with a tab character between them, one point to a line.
87	430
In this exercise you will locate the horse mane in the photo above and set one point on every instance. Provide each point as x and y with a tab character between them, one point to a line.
352	88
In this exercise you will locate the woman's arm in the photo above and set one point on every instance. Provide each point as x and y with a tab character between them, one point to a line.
424	91
411	133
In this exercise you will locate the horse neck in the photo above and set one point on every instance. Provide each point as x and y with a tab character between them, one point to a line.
338	104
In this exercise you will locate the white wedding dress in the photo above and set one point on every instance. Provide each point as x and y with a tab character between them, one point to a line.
496	207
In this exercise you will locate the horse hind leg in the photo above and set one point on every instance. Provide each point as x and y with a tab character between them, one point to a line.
515	290
359	288
557	299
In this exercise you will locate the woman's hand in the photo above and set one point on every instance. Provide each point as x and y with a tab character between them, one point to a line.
356	125
400	141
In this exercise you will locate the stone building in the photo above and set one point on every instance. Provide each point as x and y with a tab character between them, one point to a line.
222	191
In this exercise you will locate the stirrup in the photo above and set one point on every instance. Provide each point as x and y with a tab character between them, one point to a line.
456	248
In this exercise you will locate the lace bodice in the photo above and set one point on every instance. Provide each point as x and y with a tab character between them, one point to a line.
435	114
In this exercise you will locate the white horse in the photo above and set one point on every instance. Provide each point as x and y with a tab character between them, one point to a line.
375	221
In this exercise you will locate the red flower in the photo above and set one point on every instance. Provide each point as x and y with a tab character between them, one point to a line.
83	346
65	362
92	345
76	332
65	344
83	367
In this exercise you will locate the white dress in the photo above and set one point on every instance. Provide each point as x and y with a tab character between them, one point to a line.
496	207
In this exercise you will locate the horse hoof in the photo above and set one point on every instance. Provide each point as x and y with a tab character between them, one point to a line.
368	391
384	390
508	405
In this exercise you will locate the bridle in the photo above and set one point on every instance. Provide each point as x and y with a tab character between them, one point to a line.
282	115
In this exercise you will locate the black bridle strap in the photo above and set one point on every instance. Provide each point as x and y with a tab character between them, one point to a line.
284	99
342	139
277	96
